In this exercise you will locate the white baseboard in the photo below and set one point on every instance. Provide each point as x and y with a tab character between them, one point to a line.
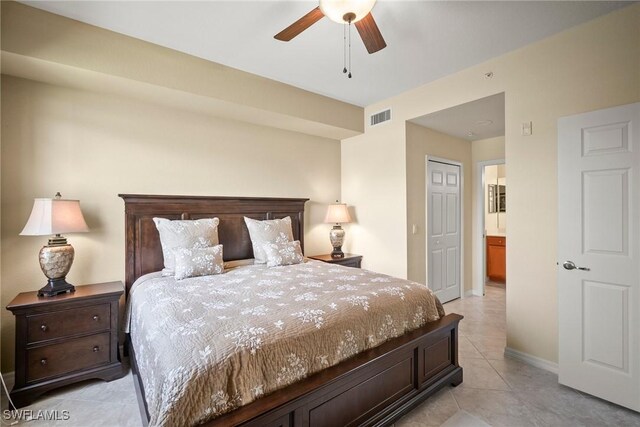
472	293
531	360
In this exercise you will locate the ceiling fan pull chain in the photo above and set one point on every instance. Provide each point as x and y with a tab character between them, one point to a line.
349	49
344	48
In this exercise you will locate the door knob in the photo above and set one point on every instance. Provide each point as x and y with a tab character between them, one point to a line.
570	265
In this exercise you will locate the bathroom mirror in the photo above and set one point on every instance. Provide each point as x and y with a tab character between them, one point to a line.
502	198
492	198
497	198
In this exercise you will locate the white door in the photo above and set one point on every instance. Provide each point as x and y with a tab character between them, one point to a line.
443	230
599	233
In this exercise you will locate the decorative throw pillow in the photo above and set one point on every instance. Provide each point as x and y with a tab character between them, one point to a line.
188	234
268	231
283	253
198	262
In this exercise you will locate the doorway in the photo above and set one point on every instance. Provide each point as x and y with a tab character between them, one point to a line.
494	223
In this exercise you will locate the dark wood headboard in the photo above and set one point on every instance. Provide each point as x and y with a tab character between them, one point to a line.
143	250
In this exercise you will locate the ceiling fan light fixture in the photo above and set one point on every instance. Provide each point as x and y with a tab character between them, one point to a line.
342	11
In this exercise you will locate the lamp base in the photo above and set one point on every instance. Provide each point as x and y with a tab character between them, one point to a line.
56	287
336	235
55	262
337	252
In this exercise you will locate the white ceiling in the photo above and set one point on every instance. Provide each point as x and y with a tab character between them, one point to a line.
426	39
484	118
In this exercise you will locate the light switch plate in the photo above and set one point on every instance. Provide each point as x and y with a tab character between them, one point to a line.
527	129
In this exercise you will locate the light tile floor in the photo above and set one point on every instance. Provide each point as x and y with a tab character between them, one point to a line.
498	390
90	403
505	392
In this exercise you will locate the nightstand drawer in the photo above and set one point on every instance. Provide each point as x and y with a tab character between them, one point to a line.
73	355
70	322
352	262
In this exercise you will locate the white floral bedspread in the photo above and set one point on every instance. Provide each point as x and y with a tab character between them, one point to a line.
207	345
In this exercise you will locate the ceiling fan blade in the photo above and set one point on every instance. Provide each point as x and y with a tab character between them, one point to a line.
370	34
300	25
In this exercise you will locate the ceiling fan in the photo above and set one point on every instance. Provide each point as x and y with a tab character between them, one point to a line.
357	12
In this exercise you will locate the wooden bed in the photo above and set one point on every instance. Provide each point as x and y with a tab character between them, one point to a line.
373	388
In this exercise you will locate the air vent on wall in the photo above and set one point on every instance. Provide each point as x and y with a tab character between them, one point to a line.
381	117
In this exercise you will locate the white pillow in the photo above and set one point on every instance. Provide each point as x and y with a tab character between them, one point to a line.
187	234
268	231
198	262
283	253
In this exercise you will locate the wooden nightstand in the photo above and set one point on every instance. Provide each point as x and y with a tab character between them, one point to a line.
349	260
64	339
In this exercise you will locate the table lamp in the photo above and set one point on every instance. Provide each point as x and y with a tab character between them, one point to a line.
54	217
338	214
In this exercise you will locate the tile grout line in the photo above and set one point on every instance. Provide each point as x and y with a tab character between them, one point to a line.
501	377
479	352
455	400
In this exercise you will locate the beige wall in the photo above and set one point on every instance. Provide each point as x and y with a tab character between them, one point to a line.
374	184
423	142
91	146
487	149
589	67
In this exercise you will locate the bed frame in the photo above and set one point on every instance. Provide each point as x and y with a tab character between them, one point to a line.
373	388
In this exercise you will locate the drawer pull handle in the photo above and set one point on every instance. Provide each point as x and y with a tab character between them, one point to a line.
96	349
95	317
43	361
43	328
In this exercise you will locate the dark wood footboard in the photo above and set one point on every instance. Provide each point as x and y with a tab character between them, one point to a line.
373	388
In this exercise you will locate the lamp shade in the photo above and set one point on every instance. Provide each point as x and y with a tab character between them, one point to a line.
337	213
55	216
337	9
